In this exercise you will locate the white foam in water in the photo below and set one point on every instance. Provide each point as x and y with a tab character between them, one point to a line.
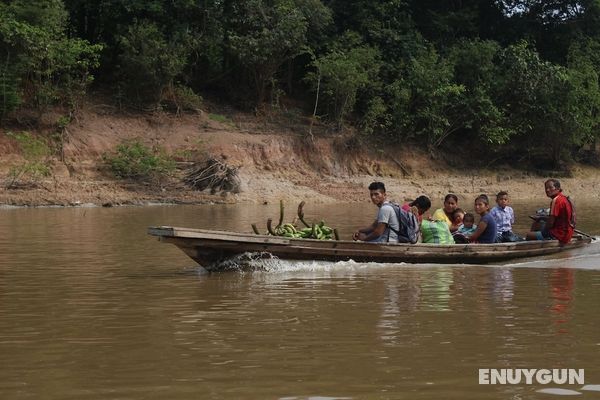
559	392
241	262
268	263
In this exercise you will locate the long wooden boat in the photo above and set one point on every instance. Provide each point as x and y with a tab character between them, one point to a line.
208	248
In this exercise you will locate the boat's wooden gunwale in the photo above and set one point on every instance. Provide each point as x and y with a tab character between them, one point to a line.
237	237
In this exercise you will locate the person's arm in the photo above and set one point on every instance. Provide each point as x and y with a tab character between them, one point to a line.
453	227
364	231
481	226
438	215
374	234
550	222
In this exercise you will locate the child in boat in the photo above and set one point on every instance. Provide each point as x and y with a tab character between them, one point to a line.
504	216
457	217
466	227
486	228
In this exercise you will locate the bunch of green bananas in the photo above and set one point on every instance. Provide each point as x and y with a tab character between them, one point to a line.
316	231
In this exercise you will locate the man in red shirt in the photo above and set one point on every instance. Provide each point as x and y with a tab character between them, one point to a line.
560	222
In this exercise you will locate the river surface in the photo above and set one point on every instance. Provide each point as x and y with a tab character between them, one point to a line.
91	307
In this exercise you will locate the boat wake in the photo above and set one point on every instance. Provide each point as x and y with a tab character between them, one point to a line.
587	257
266	262
584	258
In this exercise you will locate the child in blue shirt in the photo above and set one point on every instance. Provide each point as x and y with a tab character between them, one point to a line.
468	226
504	216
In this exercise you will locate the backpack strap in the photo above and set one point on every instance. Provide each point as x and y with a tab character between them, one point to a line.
389	227
396	209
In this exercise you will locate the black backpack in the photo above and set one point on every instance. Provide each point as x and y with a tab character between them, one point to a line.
409	225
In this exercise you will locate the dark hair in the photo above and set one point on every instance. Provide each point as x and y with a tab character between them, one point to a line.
458	210
451	196
421	202
555	182
377	186
501	193
469	217
484	198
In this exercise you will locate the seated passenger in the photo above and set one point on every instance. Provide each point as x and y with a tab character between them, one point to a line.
446	213
422	205
468	226
379	231
560	223
504	216
466	229
486	228
457	217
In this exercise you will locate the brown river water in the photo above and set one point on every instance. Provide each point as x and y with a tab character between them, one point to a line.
91	307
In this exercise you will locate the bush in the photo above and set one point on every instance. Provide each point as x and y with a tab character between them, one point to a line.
134	160
180	98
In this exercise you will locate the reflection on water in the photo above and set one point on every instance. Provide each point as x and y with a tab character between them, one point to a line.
561	282
93	308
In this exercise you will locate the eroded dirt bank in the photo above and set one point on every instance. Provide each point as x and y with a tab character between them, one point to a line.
274	163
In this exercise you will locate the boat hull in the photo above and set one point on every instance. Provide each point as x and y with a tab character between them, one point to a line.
208	248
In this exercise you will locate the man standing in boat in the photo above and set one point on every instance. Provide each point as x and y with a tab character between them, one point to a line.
379	231
560	222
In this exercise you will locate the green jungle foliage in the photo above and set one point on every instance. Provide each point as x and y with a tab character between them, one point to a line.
40	64
506	77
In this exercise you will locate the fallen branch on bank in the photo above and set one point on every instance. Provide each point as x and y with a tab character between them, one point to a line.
214	175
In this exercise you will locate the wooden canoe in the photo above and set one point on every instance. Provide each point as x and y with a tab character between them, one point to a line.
208	248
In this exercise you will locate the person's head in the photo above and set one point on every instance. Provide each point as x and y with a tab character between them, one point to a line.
422	203
502	199
377	193
458	216
482	204
468	220
450	203
552	188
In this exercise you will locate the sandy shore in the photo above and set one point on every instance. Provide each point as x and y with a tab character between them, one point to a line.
273	164
268	187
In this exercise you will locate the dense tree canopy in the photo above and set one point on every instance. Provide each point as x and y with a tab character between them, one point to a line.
503	75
